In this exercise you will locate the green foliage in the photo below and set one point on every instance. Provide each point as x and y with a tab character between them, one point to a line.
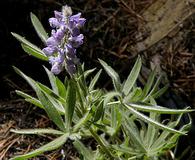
128	117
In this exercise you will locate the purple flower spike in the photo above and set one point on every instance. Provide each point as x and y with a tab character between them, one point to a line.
65	38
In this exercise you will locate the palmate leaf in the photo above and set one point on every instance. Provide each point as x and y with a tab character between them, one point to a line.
38	131
56	143
37	87
149	120
133	132
38	27
113	75
132	77
30	48
165	139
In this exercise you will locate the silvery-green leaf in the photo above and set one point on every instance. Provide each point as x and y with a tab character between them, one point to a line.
37	87
86	153
51	110
61	88
133	133
111	72
94	80
38	27
70	103
30	48
109	96
98	112
154	89
132	77
30	81
149	120
52	80
158	109
133	96
82	121
88	72
51	93
38	131
30	99
56	143
127	150
160	92
149	84
33	52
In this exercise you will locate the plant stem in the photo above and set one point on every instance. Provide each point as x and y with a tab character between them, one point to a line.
101	143
116	102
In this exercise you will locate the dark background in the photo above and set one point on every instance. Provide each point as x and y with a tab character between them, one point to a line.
15	17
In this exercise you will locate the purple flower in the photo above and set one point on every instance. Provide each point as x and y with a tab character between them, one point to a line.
49	50
58	15
52	41
59	34
54	23
70	67
56	68
65	38
76	41
70	51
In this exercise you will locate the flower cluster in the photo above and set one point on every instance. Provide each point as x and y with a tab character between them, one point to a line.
65	39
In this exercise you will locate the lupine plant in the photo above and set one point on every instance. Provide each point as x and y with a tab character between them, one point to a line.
125	123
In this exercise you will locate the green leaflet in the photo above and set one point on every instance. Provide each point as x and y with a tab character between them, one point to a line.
94	80
38	27
70	103
113	75
149	120
30	48
56	143
132	77
86	153
158	109
38	131
30	99
51	110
